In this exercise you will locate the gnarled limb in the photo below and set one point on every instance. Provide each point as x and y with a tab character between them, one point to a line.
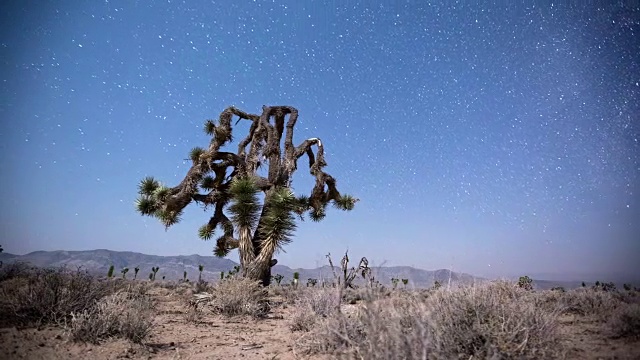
213	170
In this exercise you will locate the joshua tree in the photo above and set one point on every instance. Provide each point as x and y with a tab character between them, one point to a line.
296	279
437	285
184	276
229	184
525	282
1	251
394	282
405	282
135	272
349	275
124	272
154	270
312	282
200	269
110	272
278	278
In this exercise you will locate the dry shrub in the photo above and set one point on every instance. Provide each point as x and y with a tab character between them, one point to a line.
589	302
625	322
194	314
393	328
313	304
353	295
550	299
628	297
496	320
493	320
290	294
13	270
201	286
49	296
237	296
184	289
165	284
126	314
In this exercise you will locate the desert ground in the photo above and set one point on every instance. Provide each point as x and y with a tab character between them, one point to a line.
59	314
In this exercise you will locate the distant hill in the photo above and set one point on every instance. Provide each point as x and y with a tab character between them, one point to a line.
172	267
98	262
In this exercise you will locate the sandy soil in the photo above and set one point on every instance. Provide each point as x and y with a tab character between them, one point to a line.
216	337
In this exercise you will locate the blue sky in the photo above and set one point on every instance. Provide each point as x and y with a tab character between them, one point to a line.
495	140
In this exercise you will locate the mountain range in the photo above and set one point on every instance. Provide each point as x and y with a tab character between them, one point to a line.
172	268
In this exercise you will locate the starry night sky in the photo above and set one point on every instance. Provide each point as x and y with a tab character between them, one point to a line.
492	140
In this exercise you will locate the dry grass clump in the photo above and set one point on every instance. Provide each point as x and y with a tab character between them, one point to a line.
201	286
628	297
171	285
49	296
13	270
495	320
125	314
589	302
551	300
288	293
392	328
235	296
354	295
625	322
313	304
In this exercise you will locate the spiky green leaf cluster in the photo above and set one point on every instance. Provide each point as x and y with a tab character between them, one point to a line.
195	153
301	204
209	127
150	202
146	205
208	183
168	218
278	222
161	193
245	206
221	249
318	214
205	232
345	202
148	186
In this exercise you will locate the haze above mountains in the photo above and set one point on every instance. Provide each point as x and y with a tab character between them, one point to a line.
172	268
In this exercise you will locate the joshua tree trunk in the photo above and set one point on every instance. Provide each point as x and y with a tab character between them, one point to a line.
229	182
